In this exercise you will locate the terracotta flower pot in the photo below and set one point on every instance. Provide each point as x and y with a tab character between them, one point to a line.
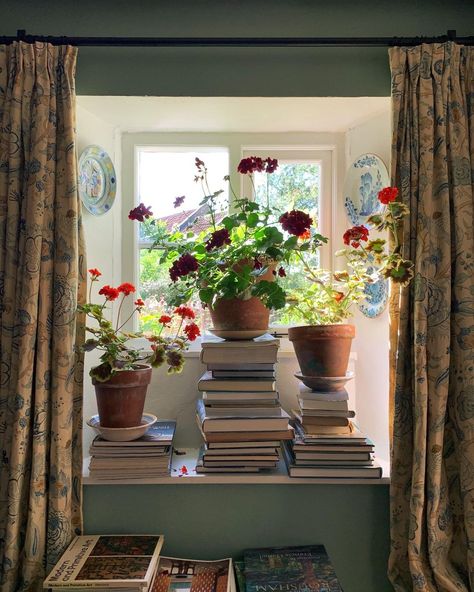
120	400
240	314
322	350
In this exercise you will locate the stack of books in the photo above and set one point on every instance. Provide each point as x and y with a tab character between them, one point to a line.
149	456
239	414
327	443
132	563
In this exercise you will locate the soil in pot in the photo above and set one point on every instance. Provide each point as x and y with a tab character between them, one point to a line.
322	350
121	400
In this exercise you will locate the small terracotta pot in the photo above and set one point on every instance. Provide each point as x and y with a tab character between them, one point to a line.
322	350
120	400
238	314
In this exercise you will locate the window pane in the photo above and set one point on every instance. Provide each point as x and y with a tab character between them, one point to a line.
292	186
163	175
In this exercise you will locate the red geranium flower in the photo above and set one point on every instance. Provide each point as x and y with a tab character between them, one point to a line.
255	164
185	312
353	236
95	273
387	195
338	296
109	292
296	222
183	266
165	320
192	331
139	303
140	213
257	264
305	235
282	272
218	238
126	288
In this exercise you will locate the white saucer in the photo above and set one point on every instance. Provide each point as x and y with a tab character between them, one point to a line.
325	383
122	434
238	335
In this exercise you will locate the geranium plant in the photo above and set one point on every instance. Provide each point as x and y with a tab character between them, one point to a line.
166	346
232	256
328	296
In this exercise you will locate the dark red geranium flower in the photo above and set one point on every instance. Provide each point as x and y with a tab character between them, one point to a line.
109	292
139	303
192	331
183	266
296	222
140	213
257	264
165	320
126	288
271	165
218	238
255	164
179	201
353	236
281	272
95	273
199	164
185	312
387	195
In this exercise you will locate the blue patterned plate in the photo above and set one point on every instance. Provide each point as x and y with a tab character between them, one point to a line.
366	176
376	298
97	180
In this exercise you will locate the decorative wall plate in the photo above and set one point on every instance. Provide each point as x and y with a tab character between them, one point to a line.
97	180
376	298
366	176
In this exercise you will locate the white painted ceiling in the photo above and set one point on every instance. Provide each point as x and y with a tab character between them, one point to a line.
234	114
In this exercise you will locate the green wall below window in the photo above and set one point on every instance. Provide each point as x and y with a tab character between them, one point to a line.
215	521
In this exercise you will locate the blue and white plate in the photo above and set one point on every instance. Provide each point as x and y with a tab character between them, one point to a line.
97	180
376	298
366	176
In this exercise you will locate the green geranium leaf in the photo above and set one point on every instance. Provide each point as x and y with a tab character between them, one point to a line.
252	220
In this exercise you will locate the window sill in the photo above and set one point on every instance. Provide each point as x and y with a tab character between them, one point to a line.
277	477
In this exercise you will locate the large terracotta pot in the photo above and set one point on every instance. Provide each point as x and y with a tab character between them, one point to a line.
120	400
322	350
242	314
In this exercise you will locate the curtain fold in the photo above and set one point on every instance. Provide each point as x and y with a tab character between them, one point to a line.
41	279
432	322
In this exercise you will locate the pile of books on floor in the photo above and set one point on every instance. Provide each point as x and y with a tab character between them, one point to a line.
327	443
239	414
149	456
132	563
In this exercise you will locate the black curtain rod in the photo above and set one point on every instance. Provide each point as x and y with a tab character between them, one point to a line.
236	41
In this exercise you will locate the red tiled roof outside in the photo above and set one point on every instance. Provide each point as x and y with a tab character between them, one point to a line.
201	223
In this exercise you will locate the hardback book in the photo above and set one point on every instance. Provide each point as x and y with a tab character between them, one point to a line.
221	452
242	459
308	394
243	374
160	433
126	562
298	569
332	456
330	471
209	384
325	413
239	575
298	462
184	575
314	425
250	367
240	424
240	397
310	404
354	436
202	469
243	411
242	445
234	437
261	350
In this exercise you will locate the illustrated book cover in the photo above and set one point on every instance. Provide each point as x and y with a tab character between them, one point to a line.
184	575
107	561
161	432
290	569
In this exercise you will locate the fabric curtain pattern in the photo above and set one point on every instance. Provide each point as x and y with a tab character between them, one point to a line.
432	489
41	278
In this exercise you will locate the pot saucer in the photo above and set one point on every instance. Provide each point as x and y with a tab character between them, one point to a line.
325	383
122	434
238	335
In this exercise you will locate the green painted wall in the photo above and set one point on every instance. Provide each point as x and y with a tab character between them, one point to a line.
214	521
236	72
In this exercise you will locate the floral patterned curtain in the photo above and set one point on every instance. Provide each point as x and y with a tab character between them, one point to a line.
432	489
41	277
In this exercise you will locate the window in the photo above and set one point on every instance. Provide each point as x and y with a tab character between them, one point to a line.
303	181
